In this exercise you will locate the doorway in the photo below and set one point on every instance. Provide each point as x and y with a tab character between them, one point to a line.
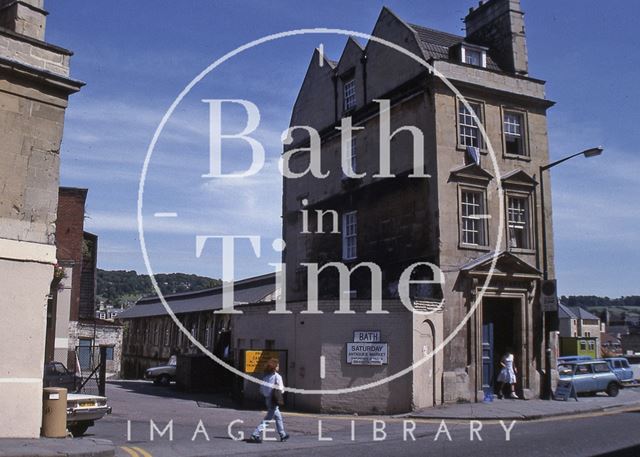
500	331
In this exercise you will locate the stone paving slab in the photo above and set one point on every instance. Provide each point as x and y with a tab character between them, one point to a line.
63	447
530	409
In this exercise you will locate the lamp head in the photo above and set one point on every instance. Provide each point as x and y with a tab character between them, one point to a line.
593	152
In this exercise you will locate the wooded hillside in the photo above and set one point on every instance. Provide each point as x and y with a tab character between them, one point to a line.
123	288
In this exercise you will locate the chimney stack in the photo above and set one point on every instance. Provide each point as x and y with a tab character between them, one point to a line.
26	17
499	25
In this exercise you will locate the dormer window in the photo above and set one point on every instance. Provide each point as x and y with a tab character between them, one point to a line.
473	56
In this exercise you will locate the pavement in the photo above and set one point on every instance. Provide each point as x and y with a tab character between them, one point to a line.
60	447
531	409
135	404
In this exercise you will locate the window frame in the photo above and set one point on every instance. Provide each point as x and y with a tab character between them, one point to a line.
524	133
484	225
349	97
529	227
481	115
346	237
482	53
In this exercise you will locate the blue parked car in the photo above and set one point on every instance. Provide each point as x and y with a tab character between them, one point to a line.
621	368
590	377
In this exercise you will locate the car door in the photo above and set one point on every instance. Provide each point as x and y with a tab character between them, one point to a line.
583	378
627	372
601	376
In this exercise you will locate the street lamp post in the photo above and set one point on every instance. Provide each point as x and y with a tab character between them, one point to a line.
550	317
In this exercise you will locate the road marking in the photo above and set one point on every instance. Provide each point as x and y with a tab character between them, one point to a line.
142	452
322	373
165	214
129	451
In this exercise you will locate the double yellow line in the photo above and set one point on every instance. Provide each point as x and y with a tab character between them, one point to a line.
135	451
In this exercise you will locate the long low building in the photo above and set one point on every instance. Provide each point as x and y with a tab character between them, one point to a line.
151	336
329	351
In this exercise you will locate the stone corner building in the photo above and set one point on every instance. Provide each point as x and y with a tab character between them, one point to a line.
34	89
452	219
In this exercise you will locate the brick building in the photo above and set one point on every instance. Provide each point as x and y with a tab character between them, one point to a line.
34	90
73	329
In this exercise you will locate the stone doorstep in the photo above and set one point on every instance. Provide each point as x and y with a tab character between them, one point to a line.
62	447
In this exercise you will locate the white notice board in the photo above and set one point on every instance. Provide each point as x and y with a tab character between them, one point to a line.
367	353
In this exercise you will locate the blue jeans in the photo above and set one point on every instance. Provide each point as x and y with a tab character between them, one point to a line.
273	412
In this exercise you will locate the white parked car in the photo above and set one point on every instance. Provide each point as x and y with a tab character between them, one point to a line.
83	410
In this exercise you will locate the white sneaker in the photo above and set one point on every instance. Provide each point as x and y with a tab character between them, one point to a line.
513	396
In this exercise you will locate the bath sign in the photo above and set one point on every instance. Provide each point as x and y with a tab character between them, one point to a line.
367	353
366	336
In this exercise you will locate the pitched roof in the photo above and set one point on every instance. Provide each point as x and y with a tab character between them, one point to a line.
436	44
252	290
564	312
575	312
583	313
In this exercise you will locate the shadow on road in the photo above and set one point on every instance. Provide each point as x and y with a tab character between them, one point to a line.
633	451
203	399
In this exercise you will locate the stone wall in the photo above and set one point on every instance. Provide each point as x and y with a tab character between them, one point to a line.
103	334
307	337
34	89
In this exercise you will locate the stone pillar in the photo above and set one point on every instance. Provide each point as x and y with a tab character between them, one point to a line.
33	100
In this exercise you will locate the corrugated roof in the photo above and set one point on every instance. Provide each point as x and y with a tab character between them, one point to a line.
252	290
436	44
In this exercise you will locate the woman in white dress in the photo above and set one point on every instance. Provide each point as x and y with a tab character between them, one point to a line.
507	375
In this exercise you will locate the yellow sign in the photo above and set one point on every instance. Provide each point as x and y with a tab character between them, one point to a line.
256	361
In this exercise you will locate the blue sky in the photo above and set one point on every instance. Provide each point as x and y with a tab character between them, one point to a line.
136	56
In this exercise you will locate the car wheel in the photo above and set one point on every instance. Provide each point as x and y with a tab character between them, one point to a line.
613	389
164	380
78	429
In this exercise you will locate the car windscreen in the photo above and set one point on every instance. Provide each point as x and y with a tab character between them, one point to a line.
585	369
565	369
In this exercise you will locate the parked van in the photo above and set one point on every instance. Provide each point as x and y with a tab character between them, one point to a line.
620	366
634	362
